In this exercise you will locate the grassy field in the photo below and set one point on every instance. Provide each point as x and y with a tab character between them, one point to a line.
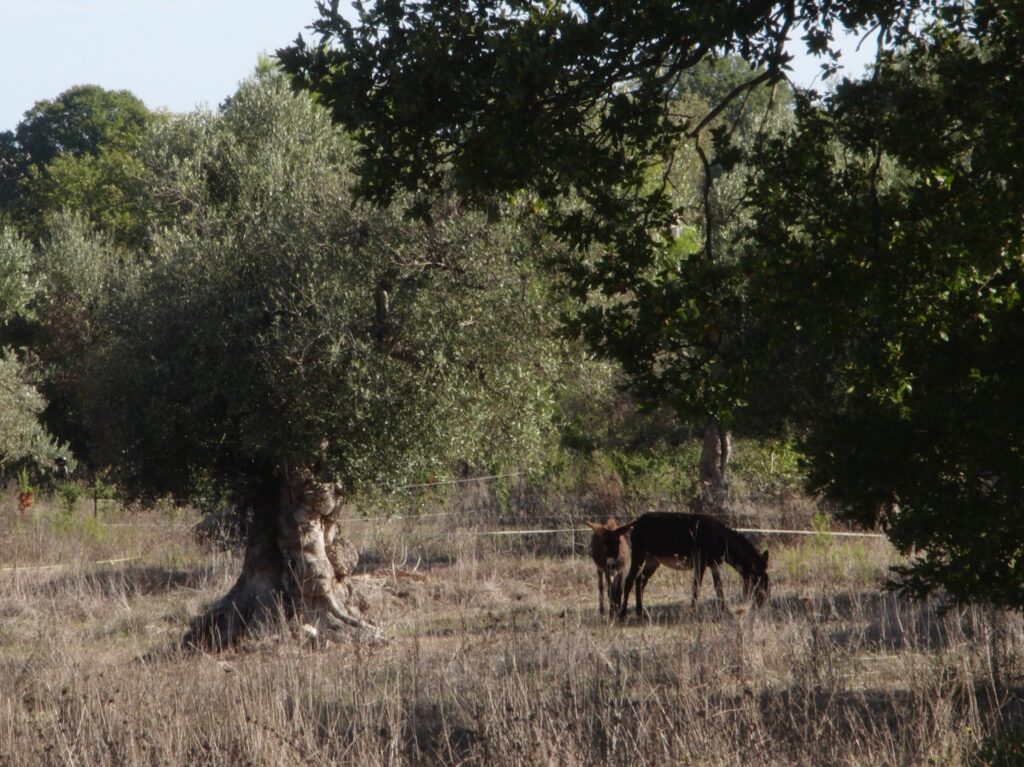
497	657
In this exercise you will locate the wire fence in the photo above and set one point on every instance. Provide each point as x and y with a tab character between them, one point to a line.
64	566
752	530
572	531
529	518
575	544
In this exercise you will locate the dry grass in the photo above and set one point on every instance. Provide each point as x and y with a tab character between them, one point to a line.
498	657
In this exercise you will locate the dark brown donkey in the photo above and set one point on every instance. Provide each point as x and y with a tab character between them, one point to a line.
692	540
610	550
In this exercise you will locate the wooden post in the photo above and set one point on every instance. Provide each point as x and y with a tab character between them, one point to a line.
572	524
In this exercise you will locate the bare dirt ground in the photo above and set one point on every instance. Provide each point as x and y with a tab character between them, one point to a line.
496	656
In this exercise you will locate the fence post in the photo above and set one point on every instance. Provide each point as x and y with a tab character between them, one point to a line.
572	524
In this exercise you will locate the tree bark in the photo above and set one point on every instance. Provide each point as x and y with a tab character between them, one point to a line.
296	567
714	461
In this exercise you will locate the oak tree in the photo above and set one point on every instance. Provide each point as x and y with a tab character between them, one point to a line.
890	257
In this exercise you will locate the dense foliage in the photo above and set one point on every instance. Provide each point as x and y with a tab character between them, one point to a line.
588	106
279	326
890	251
24	441
78	152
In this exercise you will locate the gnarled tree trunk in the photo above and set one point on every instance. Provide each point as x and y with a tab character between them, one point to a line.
296	565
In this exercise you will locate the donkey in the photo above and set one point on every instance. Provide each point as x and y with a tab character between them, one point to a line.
610	550
697	540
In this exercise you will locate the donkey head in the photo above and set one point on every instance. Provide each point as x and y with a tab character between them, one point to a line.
755	579
610	547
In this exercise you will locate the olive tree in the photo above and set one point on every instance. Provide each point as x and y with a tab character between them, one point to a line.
284	347
24	441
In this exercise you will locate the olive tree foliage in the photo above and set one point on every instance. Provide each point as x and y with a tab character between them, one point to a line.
17	287
889	234
24	441
75	269
279	327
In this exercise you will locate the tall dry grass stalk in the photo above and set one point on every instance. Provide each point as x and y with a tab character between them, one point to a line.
498	657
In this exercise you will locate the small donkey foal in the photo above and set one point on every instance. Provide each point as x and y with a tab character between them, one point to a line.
610	550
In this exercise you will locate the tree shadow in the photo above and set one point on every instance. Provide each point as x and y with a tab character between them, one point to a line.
884	621
705	611
797	715
130	581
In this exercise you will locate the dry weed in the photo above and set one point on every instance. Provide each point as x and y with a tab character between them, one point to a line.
498	657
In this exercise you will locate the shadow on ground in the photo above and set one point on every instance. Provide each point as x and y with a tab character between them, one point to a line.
130	581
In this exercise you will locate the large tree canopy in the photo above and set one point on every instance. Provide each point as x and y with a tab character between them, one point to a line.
281	326
615	117
591	108
890	250
536	95
79	121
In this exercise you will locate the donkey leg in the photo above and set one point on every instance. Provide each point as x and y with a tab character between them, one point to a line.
716	576
614	593
641	584
634	568
698	576
600	591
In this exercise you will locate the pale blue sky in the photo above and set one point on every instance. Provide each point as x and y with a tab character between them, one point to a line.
173	54
170	53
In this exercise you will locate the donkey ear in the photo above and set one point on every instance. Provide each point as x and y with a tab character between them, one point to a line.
624	529
594	526
764	558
